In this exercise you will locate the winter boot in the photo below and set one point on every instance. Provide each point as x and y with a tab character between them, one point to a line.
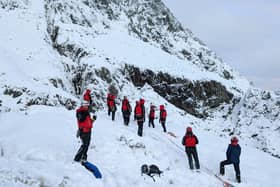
238	178
222	170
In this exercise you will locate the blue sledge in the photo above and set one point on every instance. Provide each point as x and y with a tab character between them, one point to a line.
93	169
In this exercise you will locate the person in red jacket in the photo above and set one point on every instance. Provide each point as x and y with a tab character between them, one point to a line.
126	110
87	97
162	117
190	141
140	116
84	130
111	105
152	116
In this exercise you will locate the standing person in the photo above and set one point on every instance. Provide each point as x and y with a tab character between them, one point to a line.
111	103
233	157
84	130
126	110
152	116
140	116
77	82
162	117
190	141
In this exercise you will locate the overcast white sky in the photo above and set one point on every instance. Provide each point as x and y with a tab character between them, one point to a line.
245	33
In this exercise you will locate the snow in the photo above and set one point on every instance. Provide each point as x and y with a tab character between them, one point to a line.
36	151
37	143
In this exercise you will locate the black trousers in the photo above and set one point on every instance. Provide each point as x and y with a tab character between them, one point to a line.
113	113
126	116
82	152
163	126
140	122
235	165
192	154
151	122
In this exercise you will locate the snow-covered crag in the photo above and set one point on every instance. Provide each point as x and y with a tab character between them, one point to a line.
133	45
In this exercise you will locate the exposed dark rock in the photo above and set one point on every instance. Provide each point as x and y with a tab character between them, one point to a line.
113	90
14	92
28	98
187	95
66	49
266	95
58	83
104	74
9	5
227	75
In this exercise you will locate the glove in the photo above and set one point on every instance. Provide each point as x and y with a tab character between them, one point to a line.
78	133
94	117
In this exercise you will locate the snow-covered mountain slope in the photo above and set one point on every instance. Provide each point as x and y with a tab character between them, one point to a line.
36	152
139	48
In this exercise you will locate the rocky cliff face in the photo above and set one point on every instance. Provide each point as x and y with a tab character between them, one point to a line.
151	22
196	98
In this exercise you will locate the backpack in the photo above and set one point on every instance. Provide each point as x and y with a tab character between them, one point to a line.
81	116
151	170
190	141
139	110
125	105
163	114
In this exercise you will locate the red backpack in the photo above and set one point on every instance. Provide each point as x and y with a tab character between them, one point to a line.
125	105
138	110
163	114
190	141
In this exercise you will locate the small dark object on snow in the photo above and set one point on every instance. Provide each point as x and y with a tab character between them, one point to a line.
151	170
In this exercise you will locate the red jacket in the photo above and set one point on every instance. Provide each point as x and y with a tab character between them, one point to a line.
190	140
126	106
85	125
163	115
111	100
152	113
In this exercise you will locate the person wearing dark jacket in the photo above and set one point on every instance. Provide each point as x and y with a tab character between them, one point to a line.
140	116
84	130
233	155
152	116
162	117
190	141
126	110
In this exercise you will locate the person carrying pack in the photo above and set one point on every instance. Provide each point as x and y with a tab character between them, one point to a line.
152	116
111	103
190	141
126	110
84	130
162	117
140	116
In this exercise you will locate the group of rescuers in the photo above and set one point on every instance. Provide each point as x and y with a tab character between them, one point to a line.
189	140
